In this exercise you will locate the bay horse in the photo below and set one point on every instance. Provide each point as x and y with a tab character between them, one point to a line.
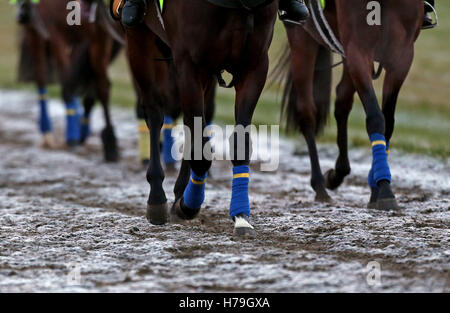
204	38
82	54
308	90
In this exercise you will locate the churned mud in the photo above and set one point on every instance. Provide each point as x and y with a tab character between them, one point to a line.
70	222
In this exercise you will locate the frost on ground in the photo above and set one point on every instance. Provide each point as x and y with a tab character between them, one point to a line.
70	222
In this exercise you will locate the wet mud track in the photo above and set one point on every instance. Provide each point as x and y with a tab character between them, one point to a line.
70	222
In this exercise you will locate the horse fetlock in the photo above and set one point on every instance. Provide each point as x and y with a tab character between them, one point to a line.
333	180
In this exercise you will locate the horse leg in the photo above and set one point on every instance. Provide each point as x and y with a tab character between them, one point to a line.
360	69
100	58
303	61
141	40
248	90
344	102
190	84
40	73
168	142
88	105
394	79
73	127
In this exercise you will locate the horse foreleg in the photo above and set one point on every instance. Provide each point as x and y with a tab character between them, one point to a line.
248	90
38	55
343	105
157	201
360	71
100	57
190	85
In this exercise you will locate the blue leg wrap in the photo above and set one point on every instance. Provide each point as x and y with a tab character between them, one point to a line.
372	181
194	194
168	141
73	129
380	167
45	124
239	197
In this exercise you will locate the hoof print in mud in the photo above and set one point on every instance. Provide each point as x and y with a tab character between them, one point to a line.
157	213
179	213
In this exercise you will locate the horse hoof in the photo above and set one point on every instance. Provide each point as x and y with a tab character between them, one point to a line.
179	214
110	147
324	198
48	141
329	184
157	213
387	204
112	156
242	227
73	144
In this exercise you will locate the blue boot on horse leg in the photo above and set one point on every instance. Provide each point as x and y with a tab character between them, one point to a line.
240	203
373	185
167	143
85	131
382	197
45	123
73	127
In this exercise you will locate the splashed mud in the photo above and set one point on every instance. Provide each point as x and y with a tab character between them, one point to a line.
70	222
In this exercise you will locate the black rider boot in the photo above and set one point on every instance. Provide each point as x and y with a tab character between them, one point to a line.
133	12
294	11
427	20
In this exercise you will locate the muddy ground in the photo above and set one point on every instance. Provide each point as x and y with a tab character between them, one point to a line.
70	222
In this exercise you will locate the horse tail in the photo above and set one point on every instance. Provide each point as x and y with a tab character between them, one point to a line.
81	75
323	77
321	91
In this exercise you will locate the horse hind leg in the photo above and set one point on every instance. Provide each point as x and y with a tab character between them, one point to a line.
302	109
88	105
344	102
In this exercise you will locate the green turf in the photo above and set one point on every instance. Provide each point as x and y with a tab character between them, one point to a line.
422	119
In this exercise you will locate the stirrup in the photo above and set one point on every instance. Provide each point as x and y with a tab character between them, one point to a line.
432	25
283	16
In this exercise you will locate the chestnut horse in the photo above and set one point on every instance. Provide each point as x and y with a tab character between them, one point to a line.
308	90
82	54
204	39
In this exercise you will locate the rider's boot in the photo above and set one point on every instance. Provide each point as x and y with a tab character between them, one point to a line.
293	11
133	12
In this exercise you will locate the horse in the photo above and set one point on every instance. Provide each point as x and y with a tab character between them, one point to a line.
307	93
203	38
80	54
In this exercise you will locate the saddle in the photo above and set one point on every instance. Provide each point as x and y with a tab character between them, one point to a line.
241	4
117	5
